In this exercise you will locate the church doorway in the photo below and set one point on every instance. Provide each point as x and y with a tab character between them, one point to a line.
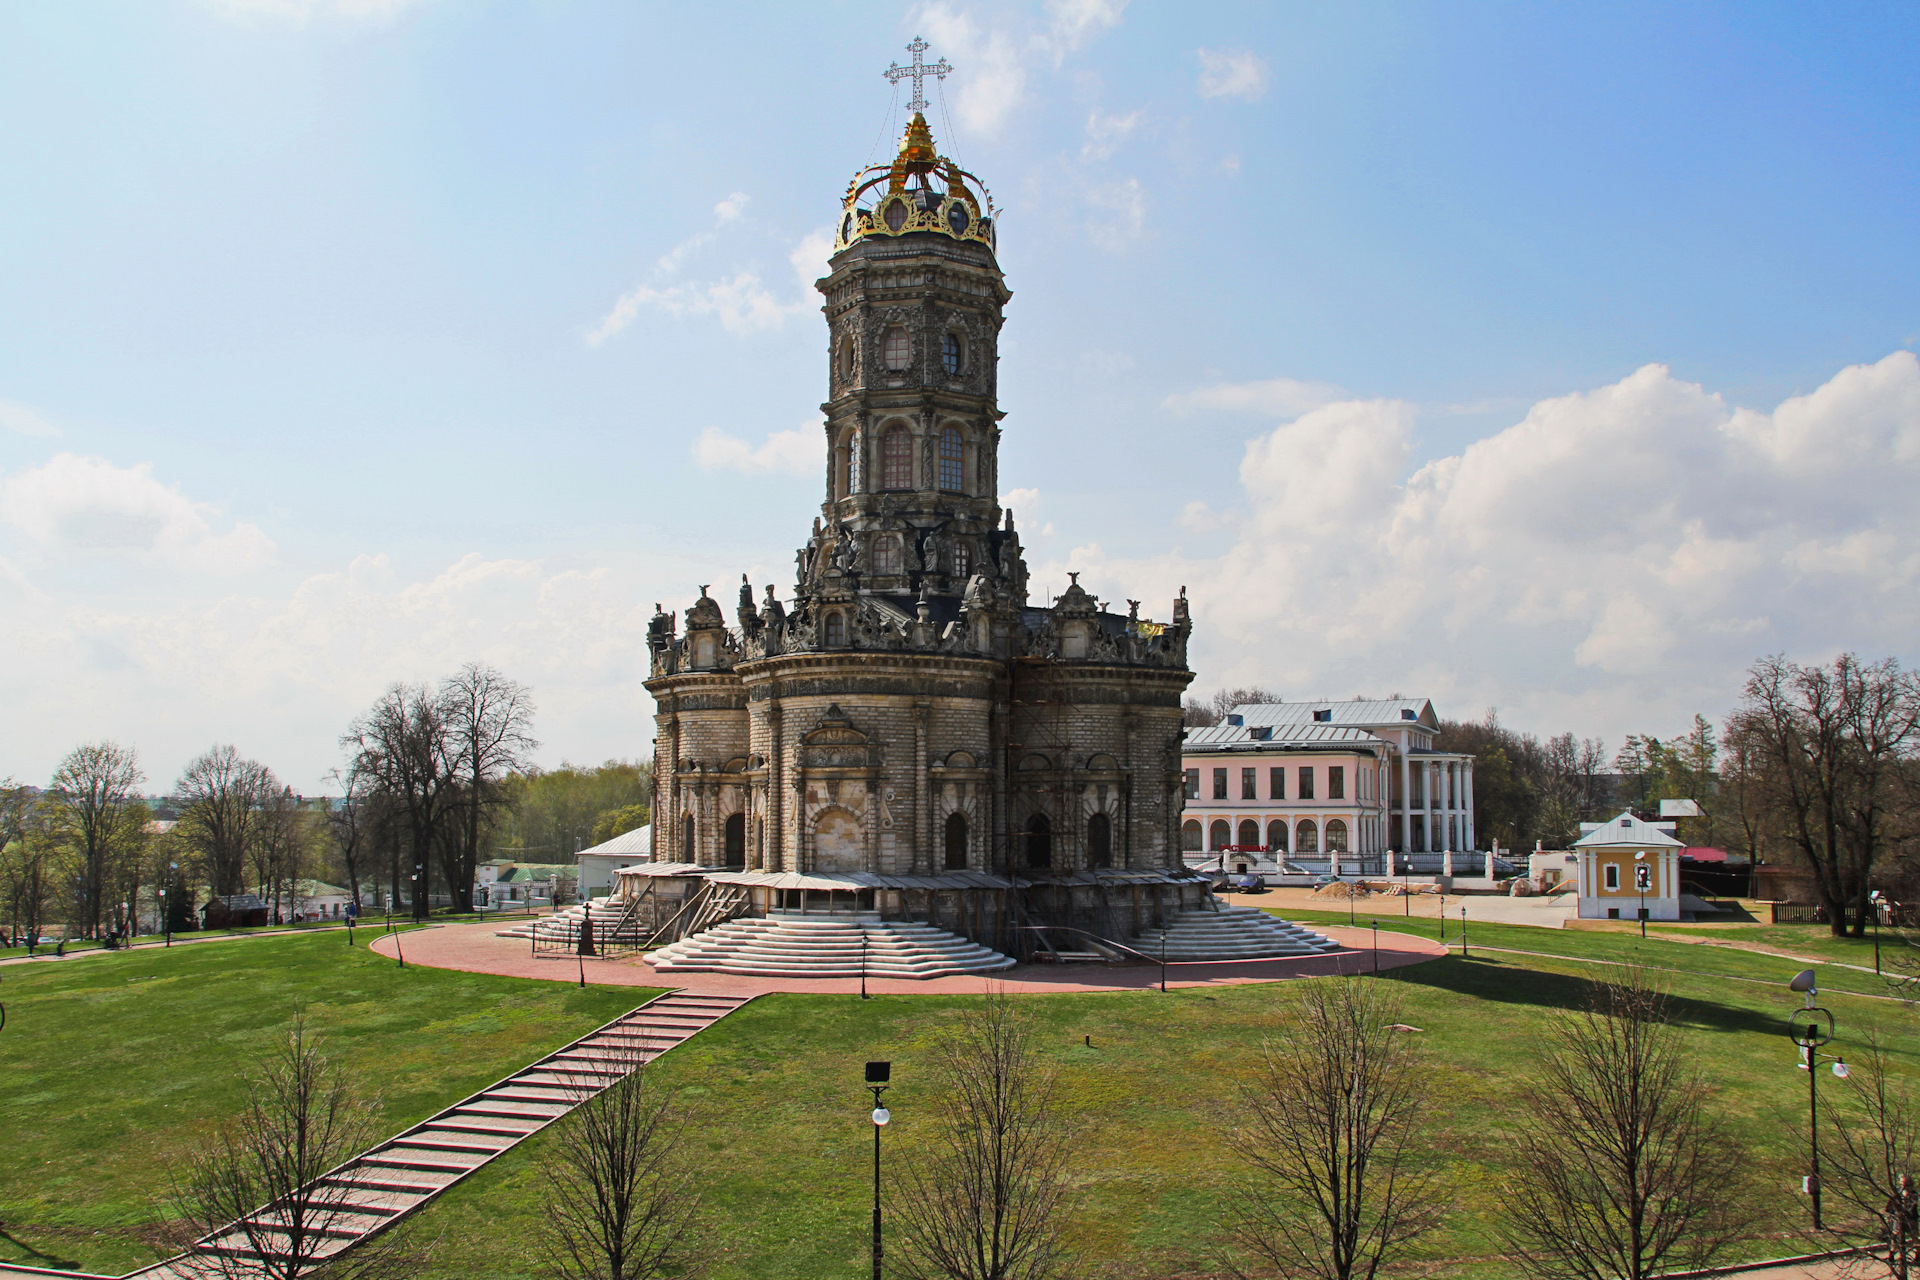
736	837
1039	842
1099	842
956	842
837	845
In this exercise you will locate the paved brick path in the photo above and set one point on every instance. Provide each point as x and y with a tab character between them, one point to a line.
473	948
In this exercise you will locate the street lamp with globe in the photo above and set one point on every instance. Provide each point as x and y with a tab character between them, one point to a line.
1811	1028
879	1074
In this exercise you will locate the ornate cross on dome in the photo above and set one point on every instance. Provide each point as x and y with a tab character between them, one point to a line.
919	71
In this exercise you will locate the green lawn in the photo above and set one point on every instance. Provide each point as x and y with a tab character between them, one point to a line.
110	1065
777	1113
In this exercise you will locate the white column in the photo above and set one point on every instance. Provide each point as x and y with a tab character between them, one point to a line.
1426	802
1406	802
1472	834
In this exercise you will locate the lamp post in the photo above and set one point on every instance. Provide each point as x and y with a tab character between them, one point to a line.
1873	901
1642	880
878	1076
1463	931
1376	947
1811	1028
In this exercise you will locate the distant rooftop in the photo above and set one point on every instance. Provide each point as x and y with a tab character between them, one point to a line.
1313	723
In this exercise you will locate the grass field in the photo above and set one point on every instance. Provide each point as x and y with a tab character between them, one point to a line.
110	1064
777	1113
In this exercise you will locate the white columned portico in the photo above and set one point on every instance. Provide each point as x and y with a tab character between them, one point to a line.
1426	802
1472	835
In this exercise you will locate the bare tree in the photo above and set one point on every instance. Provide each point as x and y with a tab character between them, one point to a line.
26	853
352	824
256	1202
624	1206
1199	714
1872	1160
404	744
220	793
988	1194
1622	1171
1831	751
98	819
489	719
1334	1190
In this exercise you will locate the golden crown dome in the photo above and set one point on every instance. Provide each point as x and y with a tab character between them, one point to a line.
921	191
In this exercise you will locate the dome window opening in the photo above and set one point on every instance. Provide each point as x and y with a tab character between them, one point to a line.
962	561
953	354
959	218
896	215
897	349
834	631
896	460
951	456
846	360
886	555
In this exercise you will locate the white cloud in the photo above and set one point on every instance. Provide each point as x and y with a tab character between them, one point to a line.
992	64
26	421
741	302
1612	561
809	261
802	452
1232	73
1125	225
88	506
1277	397
1105	133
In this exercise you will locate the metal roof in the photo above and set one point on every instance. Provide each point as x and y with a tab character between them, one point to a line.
1239	737
635	843
1625	832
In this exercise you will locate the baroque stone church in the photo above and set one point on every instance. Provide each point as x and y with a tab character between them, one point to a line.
910	710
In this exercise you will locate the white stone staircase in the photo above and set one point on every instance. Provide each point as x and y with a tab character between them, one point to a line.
838	945
1231	933
376	1189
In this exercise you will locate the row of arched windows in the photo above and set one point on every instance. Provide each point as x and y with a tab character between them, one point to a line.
897	471
1306	836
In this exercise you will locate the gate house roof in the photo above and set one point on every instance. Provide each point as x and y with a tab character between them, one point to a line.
1626	832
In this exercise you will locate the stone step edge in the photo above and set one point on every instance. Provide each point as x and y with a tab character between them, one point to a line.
169	1266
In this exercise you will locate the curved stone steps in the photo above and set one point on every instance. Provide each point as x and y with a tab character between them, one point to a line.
1232	933
796	946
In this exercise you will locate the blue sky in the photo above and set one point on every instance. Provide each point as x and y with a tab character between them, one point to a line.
314	372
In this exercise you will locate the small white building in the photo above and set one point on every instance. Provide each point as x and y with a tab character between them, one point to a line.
1626	864
598	864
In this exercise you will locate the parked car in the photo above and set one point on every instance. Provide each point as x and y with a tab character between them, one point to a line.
1327	879
1249	883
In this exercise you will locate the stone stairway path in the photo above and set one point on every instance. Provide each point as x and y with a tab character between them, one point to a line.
383	1185
844	945
1231	933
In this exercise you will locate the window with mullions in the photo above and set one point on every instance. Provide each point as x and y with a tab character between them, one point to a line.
953	354
1193	787
896	459
1219	784
1277	784
1247	789
897	349
1336	785
951	454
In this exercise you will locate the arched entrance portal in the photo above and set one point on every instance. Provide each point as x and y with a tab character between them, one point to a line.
957	842
736	833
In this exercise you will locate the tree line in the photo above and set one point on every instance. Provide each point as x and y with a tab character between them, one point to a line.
436	779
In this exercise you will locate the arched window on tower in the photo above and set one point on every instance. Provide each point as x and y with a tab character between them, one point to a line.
1099	842
962	560
897	349
953	353
896	459
847	358
856	462
886	554
952	452
956	842
833	631
1039	841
